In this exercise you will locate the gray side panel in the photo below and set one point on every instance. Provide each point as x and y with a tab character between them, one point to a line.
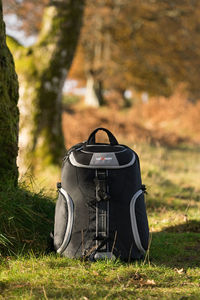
134	221
68	232
63	221
142	221
60	223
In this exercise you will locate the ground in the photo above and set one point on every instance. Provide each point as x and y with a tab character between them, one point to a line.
171	269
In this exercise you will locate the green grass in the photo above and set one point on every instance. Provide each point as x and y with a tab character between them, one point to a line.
61	278
70	99
171	269
25	220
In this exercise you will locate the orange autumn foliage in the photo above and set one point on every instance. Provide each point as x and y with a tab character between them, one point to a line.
160	121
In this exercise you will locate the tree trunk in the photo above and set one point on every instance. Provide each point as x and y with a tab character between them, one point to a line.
42	71
94	92
9	116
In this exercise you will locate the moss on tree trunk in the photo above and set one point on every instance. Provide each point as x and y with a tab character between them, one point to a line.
42	71
9	116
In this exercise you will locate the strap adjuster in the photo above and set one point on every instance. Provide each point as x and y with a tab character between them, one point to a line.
101	186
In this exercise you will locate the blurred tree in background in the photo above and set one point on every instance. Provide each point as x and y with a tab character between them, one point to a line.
42	70
8	111
147	45
164	37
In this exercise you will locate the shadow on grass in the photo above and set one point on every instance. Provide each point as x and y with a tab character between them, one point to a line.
25	221
177	246
188	226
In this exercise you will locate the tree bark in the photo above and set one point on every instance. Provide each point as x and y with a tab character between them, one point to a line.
94	90
9	116
93	95
42	70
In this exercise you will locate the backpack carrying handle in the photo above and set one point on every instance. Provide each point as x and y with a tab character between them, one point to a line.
91	139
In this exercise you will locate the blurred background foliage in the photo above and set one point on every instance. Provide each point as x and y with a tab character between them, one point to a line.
130	65
148	45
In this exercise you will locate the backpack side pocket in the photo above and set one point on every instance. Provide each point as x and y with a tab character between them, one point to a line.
64	219
139	222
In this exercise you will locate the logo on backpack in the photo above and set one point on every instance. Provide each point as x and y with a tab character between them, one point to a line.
103	158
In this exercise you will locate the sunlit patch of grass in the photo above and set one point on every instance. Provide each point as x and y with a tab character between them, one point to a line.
172	180
44	180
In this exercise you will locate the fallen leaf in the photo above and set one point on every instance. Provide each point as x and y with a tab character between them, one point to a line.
150	282
146	282
179	271
95	273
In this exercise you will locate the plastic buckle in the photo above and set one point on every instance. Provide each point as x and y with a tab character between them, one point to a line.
59	185
101	174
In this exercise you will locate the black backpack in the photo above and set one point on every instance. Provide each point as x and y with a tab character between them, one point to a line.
100	211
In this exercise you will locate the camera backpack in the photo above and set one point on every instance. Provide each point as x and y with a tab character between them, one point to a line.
100	211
